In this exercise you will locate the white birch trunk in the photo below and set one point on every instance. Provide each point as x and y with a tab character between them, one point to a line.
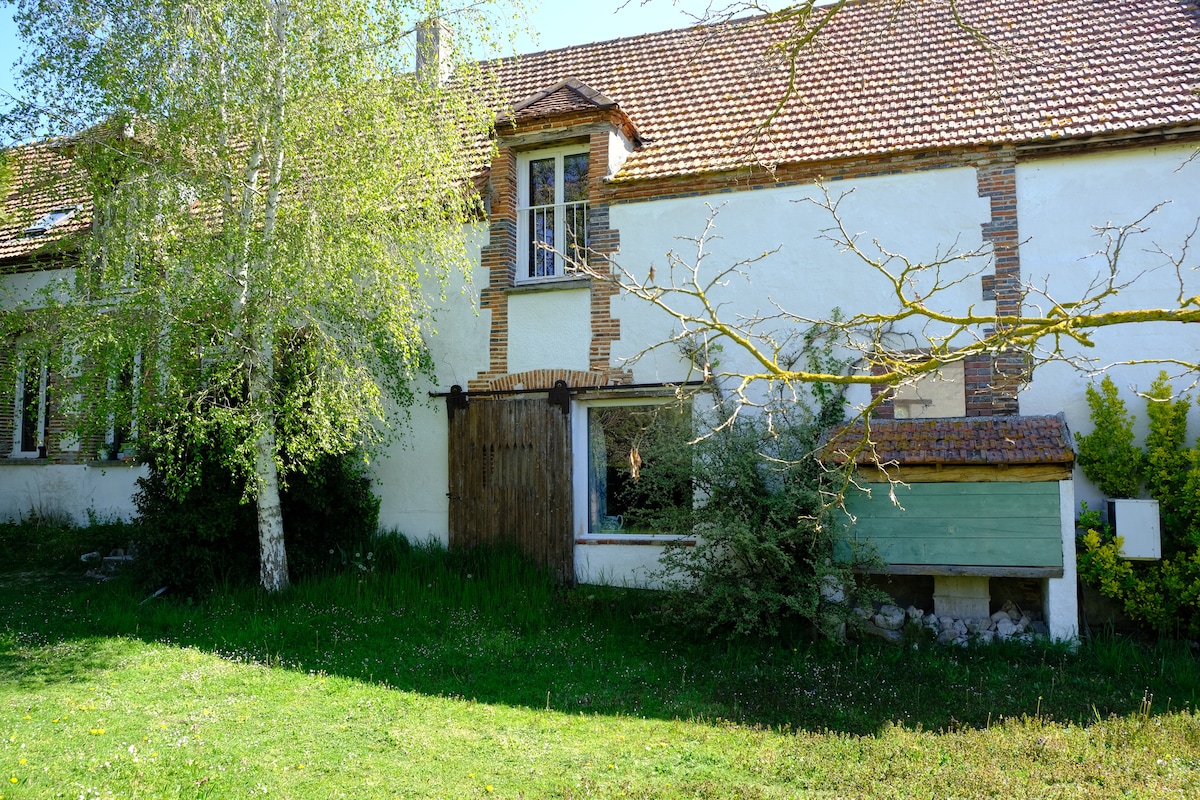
273	570
273	567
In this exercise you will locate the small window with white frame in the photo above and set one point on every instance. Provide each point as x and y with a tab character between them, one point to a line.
638	468
552	213
29	411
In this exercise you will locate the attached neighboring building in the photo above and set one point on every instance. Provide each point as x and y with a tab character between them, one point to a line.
1014	128
45	471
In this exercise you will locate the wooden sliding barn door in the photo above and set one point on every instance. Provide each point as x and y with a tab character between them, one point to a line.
510	479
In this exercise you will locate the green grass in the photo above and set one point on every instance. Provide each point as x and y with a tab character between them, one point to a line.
457	676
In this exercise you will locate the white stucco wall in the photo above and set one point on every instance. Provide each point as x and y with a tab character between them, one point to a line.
27	289
412	473
549	330
1061	202
627	565
917	214
76	491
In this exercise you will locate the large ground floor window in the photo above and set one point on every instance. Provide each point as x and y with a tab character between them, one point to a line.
639	475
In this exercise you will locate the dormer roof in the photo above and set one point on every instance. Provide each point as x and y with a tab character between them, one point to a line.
563	97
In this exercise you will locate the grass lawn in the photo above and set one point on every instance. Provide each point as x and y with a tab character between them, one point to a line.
456	677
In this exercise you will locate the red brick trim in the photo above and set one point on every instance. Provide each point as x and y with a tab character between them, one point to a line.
499	256
546	378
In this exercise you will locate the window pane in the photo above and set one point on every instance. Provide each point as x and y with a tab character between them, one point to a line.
575	174
577	234
639	469
541	242
541	182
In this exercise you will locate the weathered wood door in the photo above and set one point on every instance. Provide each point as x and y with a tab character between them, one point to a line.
510	479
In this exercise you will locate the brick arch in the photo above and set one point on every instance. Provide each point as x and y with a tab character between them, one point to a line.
545	378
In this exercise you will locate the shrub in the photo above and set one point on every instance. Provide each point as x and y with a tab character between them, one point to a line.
1165	595
764	548
208	537
200	539
1107	455
1169	463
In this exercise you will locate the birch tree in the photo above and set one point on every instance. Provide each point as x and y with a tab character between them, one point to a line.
272	184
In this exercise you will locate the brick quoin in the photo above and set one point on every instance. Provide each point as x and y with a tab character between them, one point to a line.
992	382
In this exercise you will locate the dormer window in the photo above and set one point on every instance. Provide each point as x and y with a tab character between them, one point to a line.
50	220
552	213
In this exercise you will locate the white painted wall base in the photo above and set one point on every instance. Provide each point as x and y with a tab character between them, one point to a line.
618	564
68	490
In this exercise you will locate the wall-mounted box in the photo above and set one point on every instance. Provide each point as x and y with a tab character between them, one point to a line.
1136	522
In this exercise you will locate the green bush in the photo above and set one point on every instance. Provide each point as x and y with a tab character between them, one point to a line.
1163	595
1169	462
208	537
201	539
1107	455
764	547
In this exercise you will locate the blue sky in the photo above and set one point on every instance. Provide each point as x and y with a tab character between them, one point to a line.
560	23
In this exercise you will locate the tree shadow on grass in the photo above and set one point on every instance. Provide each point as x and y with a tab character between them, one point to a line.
592	651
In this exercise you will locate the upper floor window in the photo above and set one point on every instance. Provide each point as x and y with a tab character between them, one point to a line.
551	213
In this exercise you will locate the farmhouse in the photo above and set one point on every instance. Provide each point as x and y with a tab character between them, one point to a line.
1010	130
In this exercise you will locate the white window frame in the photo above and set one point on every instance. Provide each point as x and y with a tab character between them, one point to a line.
560	207
580	468
25	356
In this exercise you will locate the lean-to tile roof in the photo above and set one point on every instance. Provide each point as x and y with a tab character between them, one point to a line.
881	79
972	441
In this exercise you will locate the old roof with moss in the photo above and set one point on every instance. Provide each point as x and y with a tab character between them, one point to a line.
965	441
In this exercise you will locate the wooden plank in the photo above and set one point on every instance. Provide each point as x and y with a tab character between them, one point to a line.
986	524
969	473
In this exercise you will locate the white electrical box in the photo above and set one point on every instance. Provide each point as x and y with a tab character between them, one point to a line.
1136	522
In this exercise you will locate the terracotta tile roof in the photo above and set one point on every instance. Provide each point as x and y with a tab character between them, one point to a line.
879	80
976	441
43	180
883	80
